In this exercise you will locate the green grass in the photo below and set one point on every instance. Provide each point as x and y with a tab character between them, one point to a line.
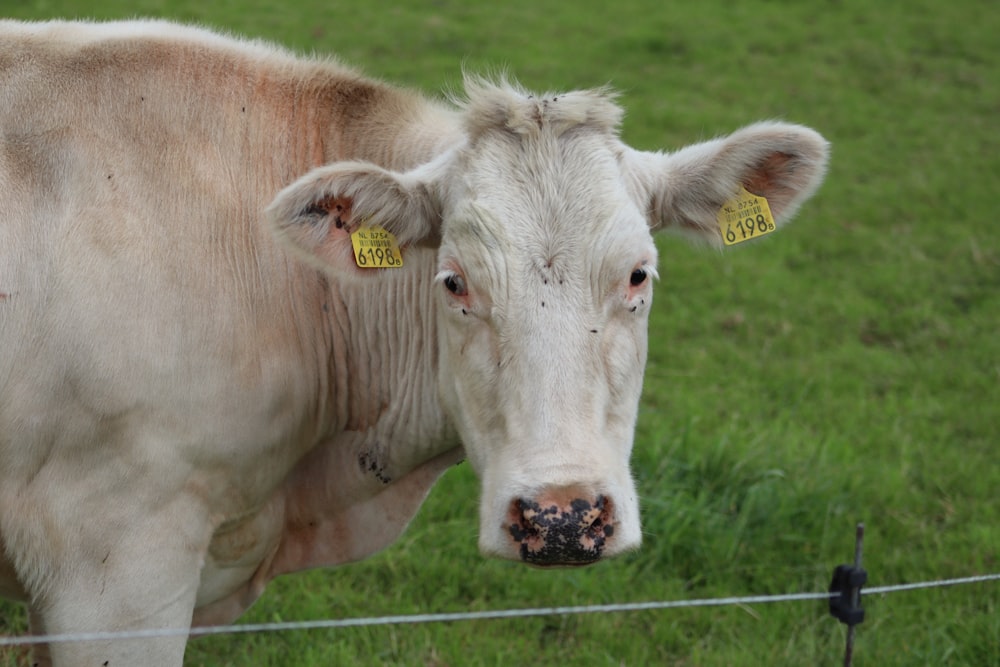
846	369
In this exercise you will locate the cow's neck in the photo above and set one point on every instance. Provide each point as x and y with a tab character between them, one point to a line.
383	367
386	436
373	341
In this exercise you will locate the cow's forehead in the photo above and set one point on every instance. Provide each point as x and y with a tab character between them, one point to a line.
543	175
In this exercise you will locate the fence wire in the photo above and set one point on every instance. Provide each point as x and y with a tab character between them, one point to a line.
412	619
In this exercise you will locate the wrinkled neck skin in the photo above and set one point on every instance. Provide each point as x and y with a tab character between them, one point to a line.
383	357
381	330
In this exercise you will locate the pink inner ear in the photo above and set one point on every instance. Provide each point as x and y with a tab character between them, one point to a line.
338	207
770	177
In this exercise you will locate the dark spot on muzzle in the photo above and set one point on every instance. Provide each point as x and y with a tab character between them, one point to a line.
553	535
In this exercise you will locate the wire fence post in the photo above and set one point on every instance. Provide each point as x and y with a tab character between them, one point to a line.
859	539
847	583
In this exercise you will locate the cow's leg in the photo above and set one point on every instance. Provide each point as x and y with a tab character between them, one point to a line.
123	573
144	589
158	592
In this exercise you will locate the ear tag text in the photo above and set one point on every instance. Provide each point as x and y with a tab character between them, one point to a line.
376	248
746	216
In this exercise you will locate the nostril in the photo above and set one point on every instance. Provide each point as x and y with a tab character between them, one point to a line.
528	515
593	516
526	521
515	520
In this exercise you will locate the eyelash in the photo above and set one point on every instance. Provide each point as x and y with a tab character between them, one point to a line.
454	282
455	285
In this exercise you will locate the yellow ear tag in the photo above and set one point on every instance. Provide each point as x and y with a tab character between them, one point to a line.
746	216
376	248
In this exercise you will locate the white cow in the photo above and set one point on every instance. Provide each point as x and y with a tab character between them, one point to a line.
200	389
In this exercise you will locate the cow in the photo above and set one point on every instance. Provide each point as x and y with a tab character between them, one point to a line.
252	305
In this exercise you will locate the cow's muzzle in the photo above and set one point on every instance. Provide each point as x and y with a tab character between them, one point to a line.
563	527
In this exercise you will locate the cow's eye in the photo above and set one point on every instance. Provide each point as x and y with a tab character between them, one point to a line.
638	277
455	284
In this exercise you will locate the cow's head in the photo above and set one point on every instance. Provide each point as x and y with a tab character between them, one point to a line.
545	270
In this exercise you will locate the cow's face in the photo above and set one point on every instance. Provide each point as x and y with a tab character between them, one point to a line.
544	284
545	275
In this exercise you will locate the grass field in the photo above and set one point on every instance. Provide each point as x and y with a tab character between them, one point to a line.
846	369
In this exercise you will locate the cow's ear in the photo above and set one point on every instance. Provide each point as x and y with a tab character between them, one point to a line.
684	191
316	214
